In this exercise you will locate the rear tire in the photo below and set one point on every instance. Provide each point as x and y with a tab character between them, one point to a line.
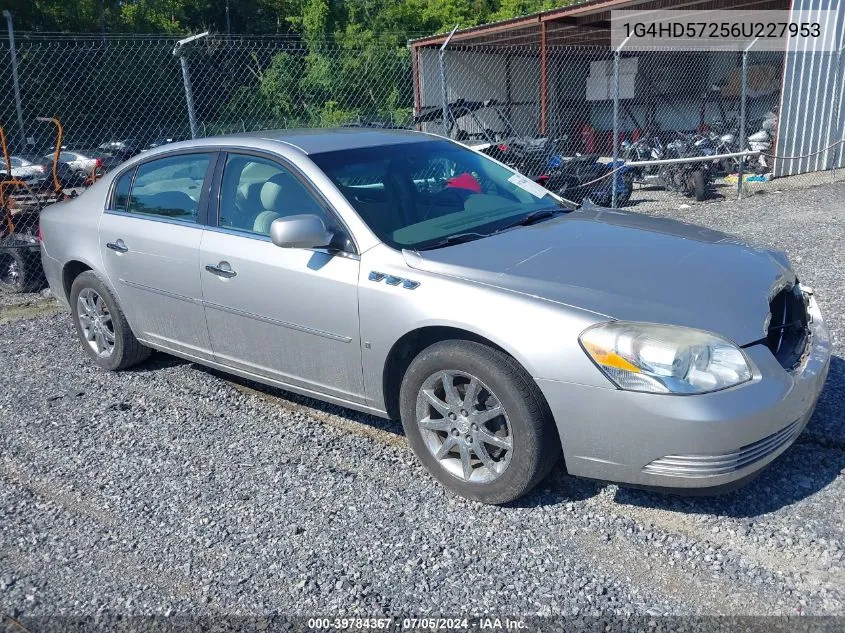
698	185
100	323
503	425
20	270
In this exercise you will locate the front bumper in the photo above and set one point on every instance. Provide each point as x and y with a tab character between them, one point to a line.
700	441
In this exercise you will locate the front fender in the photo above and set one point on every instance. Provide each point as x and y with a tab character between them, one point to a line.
541	335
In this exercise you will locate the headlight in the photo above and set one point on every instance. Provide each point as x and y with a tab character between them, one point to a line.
664	358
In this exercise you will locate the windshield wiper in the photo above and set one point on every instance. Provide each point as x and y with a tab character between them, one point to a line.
457	238
533	218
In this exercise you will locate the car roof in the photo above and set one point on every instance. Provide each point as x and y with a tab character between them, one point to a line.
315	141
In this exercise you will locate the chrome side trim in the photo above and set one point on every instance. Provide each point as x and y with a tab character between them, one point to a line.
249	315
149	217
159	291
711	465
250	235
266	238
264	319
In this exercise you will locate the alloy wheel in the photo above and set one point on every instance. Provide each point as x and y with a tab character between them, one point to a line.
10	271
464	426
96	322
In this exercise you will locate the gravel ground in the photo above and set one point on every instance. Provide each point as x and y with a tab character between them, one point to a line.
171	489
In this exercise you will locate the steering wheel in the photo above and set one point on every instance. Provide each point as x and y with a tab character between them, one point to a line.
448	196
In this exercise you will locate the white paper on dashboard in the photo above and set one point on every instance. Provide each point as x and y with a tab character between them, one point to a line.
526	184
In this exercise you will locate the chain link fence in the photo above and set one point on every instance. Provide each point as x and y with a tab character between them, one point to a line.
555	116
117	96
626	128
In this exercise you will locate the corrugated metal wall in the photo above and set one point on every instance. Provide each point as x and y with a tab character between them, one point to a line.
812	111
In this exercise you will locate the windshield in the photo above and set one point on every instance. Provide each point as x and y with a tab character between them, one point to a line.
418	195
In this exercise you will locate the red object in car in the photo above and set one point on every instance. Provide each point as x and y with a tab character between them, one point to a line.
99	162
502	147
588	138
464	181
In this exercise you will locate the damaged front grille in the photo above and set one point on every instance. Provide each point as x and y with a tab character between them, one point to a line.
788	326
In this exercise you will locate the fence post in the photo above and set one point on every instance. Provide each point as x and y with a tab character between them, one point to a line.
14	54
616	55
544	82
443	91
178	51
742	103
839	134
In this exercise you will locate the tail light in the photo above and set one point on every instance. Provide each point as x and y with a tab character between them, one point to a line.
502	147
99	163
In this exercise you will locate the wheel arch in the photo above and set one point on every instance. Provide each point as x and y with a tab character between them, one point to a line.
410	344
70	271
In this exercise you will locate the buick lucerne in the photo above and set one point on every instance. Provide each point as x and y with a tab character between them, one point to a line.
407	276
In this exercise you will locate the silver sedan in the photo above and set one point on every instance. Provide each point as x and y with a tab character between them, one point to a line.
407	276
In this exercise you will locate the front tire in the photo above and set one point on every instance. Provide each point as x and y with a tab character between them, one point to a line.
101	325
477	421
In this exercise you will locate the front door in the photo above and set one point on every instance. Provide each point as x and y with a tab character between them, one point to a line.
285	313
150	240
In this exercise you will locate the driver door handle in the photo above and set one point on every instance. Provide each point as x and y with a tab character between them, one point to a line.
117	246
223	269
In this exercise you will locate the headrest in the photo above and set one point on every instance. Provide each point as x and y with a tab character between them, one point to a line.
272	190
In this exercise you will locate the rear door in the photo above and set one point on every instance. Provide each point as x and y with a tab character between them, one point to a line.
150	238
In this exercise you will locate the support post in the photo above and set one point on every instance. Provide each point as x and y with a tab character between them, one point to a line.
544	82
444	94
14	54
839	132
179	51
614	185
415	69
743	97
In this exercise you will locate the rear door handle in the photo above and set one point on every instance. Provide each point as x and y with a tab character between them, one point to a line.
223	269
117	246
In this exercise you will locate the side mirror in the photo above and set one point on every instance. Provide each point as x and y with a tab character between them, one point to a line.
300	231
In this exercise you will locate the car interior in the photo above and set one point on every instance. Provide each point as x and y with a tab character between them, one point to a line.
256	192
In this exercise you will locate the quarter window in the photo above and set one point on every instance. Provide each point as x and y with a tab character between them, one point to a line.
121	191
169	187
256	191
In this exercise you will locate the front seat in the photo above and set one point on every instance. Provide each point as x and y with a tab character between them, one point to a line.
281	196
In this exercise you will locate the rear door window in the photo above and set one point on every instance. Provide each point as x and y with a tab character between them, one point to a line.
170	187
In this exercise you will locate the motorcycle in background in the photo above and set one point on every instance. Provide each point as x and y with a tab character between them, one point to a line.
763	141
583	177
689	179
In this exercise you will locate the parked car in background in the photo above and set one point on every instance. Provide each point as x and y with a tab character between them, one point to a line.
126	147
33	173
158	143
82	166
408	276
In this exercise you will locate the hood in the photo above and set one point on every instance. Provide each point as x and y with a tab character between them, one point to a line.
629	267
